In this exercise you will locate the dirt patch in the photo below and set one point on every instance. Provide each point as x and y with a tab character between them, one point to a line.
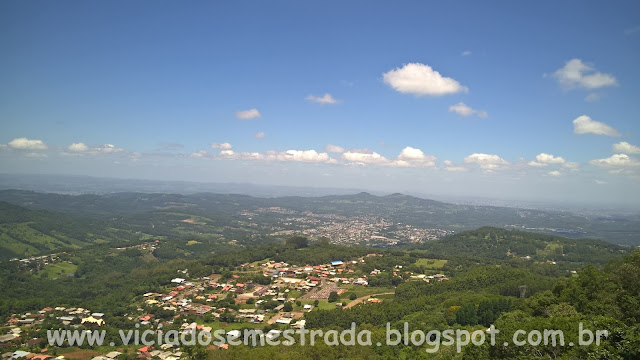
193	222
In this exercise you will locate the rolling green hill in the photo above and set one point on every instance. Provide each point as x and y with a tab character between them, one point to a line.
501	244
26	232
140	207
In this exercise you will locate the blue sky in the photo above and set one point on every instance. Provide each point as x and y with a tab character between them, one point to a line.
517	100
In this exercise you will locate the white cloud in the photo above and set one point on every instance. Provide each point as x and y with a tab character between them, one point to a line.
486	161
466	53
324	99
78	147
536	164
333	148
546	159
554	173
600	182
106	149
221	146
450	166
576	74
83	149
573	166
248	114
411	154
259	135
415	157
289	155
27	144
421	79
408	157
585	125
356	157
303	155
616	161
36	155
463	109
626	148
199	154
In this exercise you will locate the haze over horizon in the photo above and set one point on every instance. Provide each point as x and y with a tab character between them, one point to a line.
536	103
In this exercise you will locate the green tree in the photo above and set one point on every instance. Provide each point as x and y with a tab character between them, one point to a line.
297	241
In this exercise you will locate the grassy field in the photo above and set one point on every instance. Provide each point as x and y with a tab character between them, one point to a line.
259	262
322	305
550	250
22	240
57	270
432	264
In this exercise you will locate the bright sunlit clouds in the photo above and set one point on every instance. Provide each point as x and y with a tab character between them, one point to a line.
510	102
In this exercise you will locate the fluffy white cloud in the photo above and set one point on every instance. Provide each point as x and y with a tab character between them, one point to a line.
616	161
302	155
575	73
106	149
259	135
81	148
248	114
324	99
585	125
486	161
357	157
78	147
536	164
408	157
414	157
27	144
421	79
333	148
466	53
289	155
463	109
411	154
554	173
221	146
626	148
546	159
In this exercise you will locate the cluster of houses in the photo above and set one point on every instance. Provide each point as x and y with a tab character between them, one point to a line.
204	296
19	326
307	277
429	278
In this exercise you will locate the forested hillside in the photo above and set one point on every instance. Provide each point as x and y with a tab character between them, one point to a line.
135	208
25	232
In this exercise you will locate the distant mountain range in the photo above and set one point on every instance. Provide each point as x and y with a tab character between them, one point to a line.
76	220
